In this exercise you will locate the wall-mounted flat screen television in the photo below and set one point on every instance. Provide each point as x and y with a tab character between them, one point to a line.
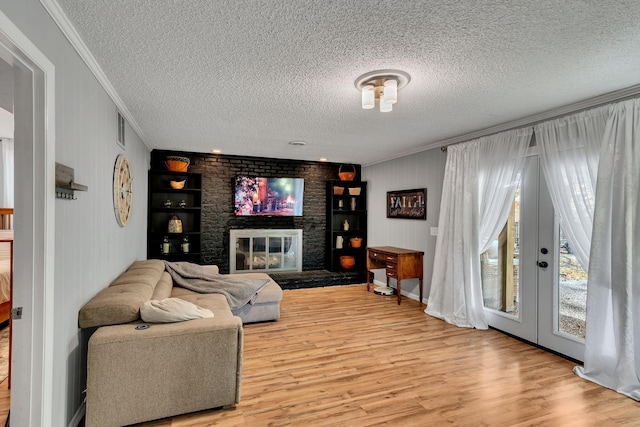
268	196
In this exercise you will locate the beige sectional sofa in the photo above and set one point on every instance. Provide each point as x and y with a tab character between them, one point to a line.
139	372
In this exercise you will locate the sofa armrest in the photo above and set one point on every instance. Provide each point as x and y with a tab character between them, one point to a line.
213	268
136	375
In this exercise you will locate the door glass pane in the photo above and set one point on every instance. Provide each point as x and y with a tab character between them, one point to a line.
290	259
259	260
242	253
275	252
499	266
572	289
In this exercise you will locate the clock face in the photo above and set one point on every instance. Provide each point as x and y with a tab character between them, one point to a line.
122	190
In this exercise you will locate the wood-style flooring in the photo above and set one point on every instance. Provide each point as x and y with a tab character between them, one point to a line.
340	356
5	401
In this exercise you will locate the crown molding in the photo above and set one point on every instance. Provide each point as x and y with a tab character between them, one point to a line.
596	101
62	21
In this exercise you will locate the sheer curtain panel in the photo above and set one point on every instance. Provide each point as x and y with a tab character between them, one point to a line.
480	180
569	151
6	151
612	347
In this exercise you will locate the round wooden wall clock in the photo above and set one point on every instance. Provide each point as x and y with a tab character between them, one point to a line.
122	190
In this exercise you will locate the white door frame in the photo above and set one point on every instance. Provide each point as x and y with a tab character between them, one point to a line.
34	115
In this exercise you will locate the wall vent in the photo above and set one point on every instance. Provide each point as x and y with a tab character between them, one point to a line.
121	130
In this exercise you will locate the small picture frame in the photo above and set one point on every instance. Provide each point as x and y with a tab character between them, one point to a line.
407	204
121	126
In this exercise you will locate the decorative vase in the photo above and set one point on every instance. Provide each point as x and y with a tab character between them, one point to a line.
175	224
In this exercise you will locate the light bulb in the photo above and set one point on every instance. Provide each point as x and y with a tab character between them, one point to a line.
385	107
390	91
368	97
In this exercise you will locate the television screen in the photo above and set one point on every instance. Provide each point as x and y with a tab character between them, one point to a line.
268	196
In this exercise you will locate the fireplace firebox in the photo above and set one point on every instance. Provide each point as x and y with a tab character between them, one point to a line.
265	250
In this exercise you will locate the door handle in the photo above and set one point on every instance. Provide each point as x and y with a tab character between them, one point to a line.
543	264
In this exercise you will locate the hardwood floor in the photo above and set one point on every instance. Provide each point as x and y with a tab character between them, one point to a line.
5	401
340	356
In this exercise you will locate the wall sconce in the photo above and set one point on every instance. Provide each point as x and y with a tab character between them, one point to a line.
381	85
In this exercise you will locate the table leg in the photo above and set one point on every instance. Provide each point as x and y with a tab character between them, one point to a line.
399	291
368	279
420	290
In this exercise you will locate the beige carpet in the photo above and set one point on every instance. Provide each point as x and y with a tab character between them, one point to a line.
4	353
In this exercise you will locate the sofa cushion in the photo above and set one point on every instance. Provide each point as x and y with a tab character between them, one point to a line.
121	301
171	310
163	287
217	303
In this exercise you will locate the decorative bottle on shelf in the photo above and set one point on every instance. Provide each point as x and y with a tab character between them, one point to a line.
185	244
345	225
353	203
165	245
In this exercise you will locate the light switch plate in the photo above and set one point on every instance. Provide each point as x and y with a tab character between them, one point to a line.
434	231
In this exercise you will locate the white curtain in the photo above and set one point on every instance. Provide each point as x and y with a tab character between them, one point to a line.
569	151
480	180
6	151
612	347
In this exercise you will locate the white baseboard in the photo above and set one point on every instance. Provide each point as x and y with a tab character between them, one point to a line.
404	293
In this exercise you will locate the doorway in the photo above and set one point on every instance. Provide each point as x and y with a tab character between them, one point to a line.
7	216
34	133
533	286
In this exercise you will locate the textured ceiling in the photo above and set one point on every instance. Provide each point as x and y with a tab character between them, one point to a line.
247	77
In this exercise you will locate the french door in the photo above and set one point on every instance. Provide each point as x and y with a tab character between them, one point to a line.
533	287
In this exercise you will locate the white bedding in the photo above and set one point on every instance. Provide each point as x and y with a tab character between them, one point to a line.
5	270
5	285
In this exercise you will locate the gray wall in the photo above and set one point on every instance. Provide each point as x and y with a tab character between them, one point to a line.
91	249
422	170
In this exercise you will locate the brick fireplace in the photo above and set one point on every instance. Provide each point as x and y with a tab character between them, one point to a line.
218	219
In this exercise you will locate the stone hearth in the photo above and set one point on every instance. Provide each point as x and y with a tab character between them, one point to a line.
317	278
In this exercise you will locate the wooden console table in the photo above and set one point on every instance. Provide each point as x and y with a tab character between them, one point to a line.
399	264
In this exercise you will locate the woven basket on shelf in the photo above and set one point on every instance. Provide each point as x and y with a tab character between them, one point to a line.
177	164
347	261
347	175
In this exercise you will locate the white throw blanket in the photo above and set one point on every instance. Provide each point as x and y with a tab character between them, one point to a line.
239	291
170	310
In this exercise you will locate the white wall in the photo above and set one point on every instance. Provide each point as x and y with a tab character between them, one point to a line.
422	170
91	249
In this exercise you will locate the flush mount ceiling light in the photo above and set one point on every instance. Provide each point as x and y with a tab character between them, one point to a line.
382	85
